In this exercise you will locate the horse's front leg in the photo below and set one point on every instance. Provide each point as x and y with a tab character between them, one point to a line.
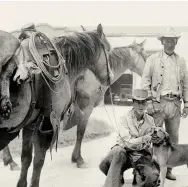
7	160
5	103
41	145
26	156
81	127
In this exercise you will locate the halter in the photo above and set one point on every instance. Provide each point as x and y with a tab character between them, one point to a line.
107	61
140	54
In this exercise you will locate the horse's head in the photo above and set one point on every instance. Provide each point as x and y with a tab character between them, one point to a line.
139	57
100	66
131	57
146	175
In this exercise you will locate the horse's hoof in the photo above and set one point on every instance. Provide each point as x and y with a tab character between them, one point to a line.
82	165
14	167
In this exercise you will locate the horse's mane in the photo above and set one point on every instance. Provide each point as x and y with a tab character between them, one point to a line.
120	55
80	50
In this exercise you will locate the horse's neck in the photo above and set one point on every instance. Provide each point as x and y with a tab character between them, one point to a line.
119	71
125	64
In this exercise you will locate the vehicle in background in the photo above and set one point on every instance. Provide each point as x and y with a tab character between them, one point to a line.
120	89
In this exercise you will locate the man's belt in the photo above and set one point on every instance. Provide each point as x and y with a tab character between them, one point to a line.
171	96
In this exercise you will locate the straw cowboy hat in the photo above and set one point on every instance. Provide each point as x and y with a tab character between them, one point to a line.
139	94
170	33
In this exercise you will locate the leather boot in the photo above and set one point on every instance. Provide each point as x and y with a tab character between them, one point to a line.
169	174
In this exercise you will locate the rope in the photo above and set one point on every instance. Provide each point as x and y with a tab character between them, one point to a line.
42	63
115	128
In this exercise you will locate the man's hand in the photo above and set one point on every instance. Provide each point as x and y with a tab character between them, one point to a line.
184	112
150	109
146	138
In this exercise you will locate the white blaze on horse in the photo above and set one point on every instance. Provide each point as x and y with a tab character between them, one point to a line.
50	91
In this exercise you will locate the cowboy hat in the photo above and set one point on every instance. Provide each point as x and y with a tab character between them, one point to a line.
170	33
139	94
25	28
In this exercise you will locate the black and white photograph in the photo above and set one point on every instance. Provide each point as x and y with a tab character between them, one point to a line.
93	93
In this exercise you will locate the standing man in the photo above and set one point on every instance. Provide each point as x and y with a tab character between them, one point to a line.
165	77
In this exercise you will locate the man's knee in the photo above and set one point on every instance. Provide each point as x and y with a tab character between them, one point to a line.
174	136
117	154
173	131
158	119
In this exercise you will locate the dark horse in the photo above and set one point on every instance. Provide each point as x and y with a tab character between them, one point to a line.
88	50
89	91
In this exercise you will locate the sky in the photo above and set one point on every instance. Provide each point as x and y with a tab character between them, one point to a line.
15	14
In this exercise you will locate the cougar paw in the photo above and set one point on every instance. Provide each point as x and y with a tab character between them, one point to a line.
5	107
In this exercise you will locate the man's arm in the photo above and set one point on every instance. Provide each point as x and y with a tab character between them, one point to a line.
185	84
146	76
125	139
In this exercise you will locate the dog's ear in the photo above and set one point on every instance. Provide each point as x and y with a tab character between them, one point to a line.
166	134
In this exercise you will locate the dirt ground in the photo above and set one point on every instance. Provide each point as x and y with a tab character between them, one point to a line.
61	172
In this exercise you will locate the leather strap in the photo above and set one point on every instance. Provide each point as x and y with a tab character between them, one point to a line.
30	112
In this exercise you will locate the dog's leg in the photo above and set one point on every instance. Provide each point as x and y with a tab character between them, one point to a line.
162	175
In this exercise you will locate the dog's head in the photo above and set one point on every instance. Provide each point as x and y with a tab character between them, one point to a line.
146	175
159	135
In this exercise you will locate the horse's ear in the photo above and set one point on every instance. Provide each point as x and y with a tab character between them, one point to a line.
83	28
134	42
100	30
143	43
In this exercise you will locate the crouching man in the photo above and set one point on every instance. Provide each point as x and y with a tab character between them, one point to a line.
133	147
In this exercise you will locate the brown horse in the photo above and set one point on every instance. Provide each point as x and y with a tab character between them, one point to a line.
88	50
89	96
89	92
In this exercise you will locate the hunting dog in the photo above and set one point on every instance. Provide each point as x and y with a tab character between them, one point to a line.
166	153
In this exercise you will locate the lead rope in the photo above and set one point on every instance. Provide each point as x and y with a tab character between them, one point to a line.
113	127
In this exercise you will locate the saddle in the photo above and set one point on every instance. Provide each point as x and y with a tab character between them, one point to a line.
44	50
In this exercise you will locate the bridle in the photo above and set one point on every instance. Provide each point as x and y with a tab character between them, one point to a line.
139	54
107	63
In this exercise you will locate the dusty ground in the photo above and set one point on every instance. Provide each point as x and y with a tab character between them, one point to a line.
61	172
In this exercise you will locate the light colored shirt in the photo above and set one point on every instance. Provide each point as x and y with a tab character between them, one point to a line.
153	75
131	131
169	82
